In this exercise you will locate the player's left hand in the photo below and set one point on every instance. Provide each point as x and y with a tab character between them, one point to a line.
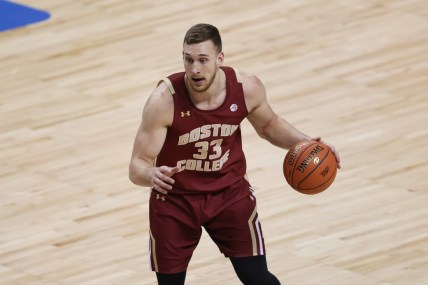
333	150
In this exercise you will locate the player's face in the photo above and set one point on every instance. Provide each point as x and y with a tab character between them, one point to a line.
201	63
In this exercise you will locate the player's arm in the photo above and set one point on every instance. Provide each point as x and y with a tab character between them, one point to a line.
157	117
265	121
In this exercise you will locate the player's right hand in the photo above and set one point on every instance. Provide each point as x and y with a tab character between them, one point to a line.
161	178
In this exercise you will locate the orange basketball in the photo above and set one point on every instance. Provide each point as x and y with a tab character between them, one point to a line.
310	167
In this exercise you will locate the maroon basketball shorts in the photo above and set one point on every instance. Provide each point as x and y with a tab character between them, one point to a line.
229	217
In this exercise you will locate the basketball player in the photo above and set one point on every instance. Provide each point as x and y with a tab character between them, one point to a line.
188	150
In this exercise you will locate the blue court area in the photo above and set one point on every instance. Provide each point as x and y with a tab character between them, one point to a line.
14	15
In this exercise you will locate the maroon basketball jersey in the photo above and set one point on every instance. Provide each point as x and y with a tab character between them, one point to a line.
205	144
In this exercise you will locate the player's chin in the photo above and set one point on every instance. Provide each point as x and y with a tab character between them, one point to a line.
199	87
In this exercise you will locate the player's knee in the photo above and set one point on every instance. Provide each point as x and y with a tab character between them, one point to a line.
171	279
273	280
253	271
265	279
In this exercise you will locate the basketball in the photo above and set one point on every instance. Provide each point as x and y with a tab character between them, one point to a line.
310	167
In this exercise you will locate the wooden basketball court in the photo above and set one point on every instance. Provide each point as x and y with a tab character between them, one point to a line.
72	91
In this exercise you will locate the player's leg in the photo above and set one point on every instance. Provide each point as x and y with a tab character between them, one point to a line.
171	279
237	231
174	234
253	270
233	222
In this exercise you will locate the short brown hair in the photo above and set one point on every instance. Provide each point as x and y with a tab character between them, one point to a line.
203	32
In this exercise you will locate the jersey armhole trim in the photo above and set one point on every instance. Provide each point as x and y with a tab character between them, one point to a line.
238	75
168	84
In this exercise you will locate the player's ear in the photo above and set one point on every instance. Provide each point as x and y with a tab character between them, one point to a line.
220	59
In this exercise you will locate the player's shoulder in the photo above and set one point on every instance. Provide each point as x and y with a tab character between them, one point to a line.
160	102
161	95
251	84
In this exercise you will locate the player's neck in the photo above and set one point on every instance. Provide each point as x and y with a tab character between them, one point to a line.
214	96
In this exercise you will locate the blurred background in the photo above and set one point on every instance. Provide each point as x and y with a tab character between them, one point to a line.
72	90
